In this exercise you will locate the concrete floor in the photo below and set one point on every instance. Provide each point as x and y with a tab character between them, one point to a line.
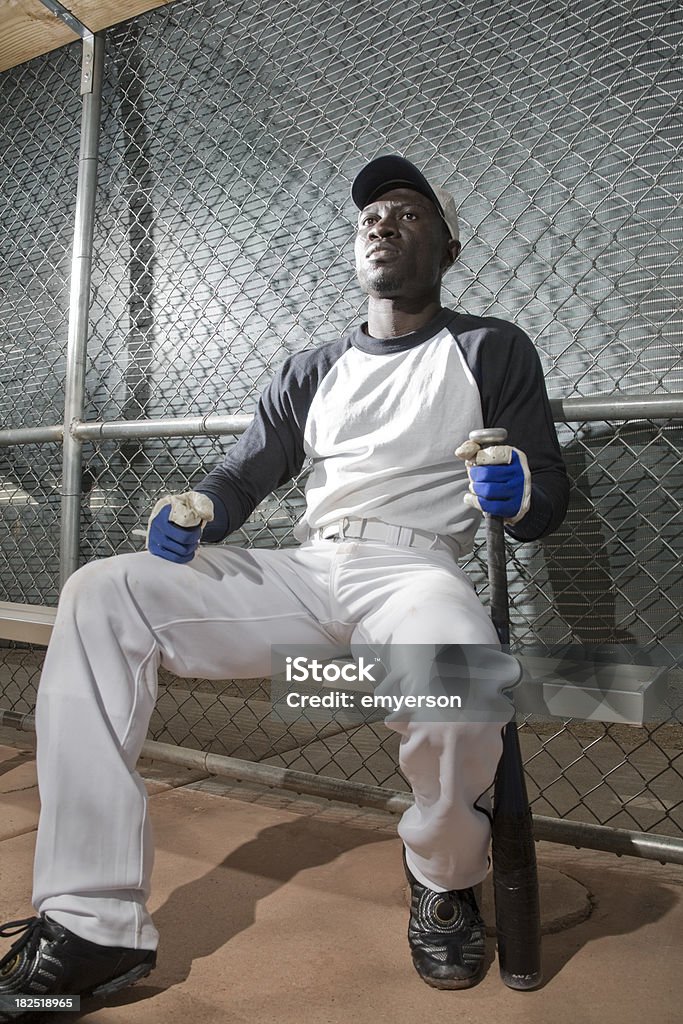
278	908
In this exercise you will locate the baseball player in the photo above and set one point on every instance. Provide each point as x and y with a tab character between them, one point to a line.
389	512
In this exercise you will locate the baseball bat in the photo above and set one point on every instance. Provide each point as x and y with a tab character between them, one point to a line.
515	875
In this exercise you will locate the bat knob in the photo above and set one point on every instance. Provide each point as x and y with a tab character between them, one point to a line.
522	982
490	435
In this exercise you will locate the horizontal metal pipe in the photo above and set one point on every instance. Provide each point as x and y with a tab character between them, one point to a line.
565	410
621	841
182	426
31	435
15	720
281	778
554	830
617	407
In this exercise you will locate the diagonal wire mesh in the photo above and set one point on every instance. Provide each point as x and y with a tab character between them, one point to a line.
223	242
40	112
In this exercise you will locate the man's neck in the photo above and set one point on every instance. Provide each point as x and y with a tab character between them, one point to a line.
387	318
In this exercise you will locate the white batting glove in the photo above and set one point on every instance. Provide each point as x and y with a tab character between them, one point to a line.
500	480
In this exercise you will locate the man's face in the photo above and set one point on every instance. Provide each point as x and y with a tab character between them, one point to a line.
402	247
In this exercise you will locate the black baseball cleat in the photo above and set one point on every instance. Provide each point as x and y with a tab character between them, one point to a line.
50	960
446	935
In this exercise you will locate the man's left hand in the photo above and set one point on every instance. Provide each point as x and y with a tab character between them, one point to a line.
190	512
500	480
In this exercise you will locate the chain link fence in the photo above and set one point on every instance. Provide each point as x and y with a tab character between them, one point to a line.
223	242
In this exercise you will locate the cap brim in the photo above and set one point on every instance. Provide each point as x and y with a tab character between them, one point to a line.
387	172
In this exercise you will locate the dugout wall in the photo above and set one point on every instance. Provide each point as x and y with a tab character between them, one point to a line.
228	139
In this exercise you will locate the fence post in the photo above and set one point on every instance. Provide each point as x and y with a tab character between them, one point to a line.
79	303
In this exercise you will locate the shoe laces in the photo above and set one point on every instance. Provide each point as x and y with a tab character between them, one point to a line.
32	927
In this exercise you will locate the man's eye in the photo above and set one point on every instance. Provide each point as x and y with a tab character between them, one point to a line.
410	215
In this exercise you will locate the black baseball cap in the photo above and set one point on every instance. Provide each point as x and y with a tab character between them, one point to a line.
387	172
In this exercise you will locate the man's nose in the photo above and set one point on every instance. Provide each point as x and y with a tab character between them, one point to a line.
384	227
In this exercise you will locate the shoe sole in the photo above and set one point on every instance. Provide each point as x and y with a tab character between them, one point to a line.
451	984
102	991
123	981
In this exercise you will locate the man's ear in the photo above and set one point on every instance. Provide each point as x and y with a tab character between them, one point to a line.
453	248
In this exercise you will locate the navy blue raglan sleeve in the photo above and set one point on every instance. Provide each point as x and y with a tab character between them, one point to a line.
271	450
268	454
509	374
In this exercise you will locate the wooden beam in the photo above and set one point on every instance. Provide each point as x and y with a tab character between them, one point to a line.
99	14
27	29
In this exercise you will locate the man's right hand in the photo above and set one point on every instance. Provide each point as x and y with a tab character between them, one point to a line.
174	542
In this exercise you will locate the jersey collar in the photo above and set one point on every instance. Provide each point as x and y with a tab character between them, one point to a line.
389	346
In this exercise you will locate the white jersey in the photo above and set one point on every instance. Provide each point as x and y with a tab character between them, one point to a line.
379	421
381	432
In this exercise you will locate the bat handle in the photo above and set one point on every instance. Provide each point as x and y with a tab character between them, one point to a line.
495	548
498	579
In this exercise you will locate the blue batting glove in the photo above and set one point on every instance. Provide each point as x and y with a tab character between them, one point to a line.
176	523
500	480
500	489
174	543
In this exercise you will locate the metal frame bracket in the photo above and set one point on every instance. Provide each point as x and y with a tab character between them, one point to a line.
87	63
86	34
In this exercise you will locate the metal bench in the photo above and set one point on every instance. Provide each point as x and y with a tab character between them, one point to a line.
26	623
595	689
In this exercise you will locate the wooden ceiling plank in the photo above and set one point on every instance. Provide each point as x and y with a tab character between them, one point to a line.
27	29
99	14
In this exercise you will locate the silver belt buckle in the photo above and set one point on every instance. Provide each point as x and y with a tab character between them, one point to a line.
334	531
330	532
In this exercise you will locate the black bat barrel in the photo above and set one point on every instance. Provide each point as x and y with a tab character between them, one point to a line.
515	880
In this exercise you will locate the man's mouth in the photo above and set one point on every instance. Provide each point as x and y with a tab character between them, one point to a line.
377	252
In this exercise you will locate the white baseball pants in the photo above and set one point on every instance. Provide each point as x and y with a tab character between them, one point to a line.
122	617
